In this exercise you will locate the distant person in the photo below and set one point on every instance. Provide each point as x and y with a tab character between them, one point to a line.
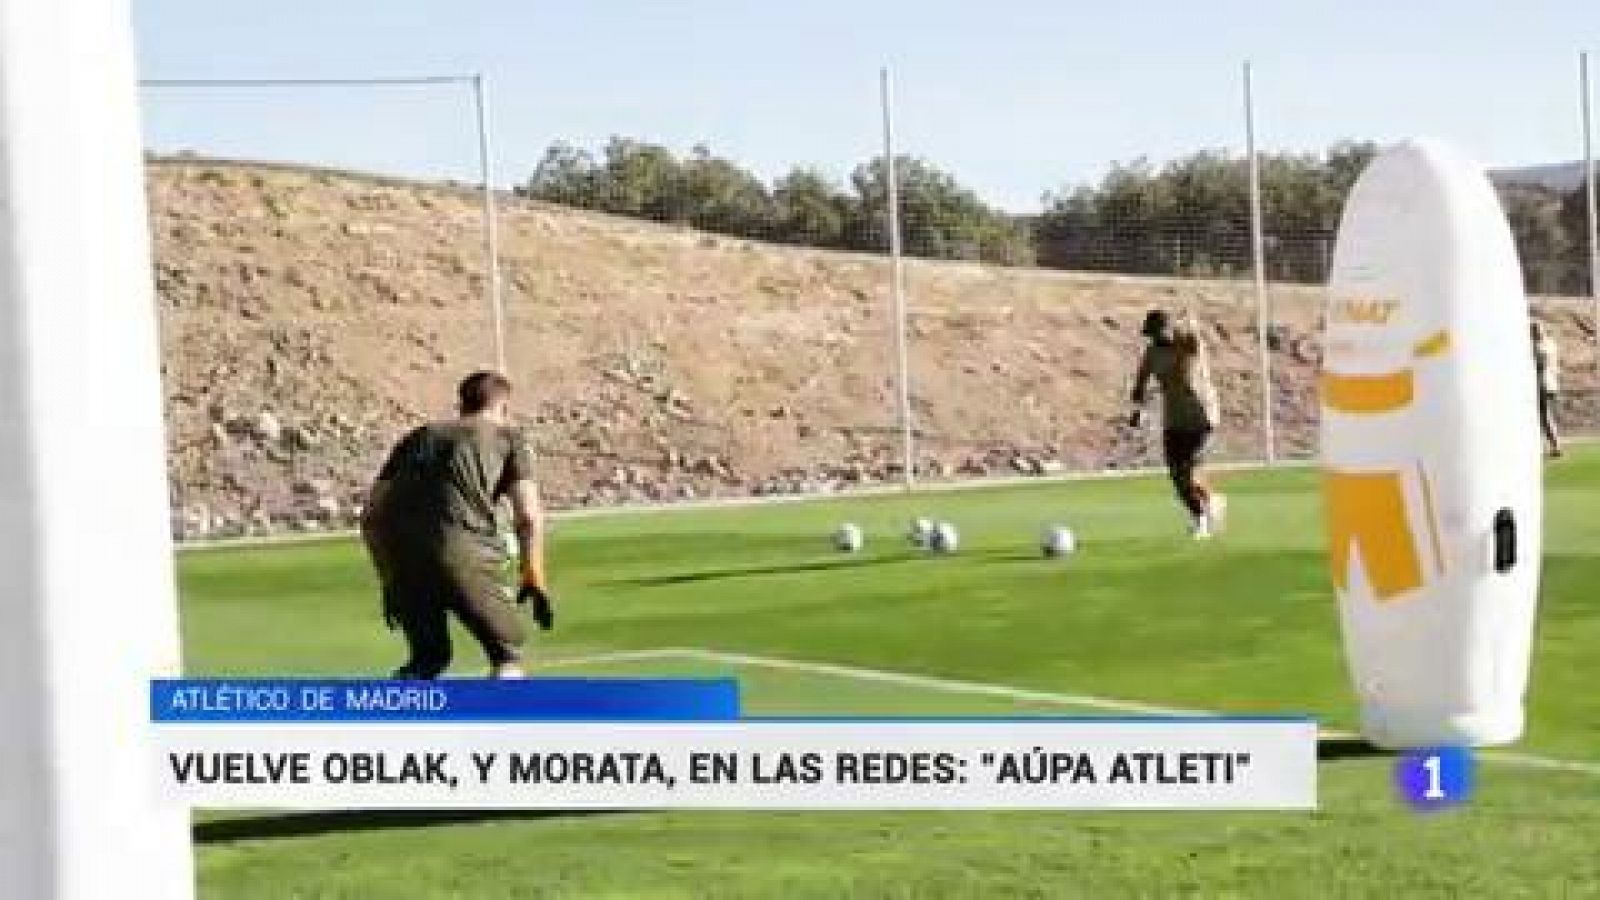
1547	365
1175	358
430	528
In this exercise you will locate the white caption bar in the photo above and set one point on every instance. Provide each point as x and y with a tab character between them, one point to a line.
743	765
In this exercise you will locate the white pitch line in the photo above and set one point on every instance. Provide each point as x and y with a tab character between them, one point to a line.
615	656
1530	761
934	683
1085	701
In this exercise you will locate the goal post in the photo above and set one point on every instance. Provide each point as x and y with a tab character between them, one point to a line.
88	609
478	84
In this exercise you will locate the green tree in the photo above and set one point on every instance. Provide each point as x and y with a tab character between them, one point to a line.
1202	216
1192	217
811	209
718	195
643	180
566	174
1110	227
1575	225
939	217
1542	237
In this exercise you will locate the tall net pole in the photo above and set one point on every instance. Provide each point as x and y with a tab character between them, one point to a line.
491	227
1585	91
1258	266
897	282
480	98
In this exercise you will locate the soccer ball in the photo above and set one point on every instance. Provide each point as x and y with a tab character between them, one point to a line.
1058	540
920	533
848	538
944	538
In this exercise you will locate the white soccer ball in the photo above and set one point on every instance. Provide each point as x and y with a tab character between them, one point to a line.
945	539
920	533
1058	541
848	538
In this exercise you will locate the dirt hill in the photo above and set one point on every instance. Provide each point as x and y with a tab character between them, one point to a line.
310	317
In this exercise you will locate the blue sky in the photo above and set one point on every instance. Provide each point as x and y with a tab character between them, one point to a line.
1014	97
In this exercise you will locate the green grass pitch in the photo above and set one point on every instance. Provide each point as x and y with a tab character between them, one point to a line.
1140	614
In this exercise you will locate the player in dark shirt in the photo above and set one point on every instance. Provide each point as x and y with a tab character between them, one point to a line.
430	528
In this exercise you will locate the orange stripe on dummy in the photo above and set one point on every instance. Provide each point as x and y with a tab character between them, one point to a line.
1367	514
1375	394
1436	344
1368	394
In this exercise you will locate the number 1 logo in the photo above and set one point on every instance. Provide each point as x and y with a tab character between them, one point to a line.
1435	778
1435	790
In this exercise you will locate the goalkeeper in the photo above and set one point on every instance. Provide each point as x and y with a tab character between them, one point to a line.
429	526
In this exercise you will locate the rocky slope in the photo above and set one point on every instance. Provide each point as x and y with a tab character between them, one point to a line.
310	317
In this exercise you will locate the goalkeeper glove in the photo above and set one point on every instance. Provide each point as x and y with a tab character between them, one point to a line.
538	599
391	608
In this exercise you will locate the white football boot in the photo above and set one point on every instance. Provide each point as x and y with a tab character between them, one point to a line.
1217	512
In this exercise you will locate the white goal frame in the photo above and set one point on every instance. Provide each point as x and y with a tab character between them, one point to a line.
479	86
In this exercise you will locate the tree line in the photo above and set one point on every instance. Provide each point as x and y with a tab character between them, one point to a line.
939	217
1188	217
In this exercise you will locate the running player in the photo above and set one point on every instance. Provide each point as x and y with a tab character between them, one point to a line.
1547	366
1175	359
429	525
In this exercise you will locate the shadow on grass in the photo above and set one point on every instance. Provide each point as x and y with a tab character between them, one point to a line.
1014	556
1335	749
757	571
316	824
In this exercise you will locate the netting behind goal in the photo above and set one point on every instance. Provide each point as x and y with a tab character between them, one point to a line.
692	330
684	324
310	312
1544	205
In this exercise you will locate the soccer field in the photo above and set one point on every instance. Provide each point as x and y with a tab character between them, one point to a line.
1140	618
